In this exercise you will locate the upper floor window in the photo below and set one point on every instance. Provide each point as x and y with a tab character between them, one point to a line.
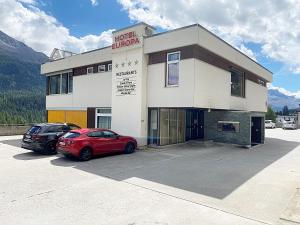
237	84
90	70
60	84
54	84
101	68
261	82
109	67
172	78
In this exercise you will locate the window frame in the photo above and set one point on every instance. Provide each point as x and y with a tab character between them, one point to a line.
101	66
49	83
167	69
243	83
109	67
60	75
103	115
87	70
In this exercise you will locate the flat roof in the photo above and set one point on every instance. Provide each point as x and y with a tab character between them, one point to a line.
197	24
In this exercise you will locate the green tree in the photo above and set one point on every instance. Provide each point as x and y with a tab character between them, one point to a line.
270	114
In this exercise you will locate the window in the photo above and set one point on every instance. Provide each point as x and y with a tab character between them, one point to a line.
64	83
72	135
261	82
90	70
229	126
109	67
96	134
70	89
172	78
54	84
109	134
103	118
101	68
237	84
60	84
54	129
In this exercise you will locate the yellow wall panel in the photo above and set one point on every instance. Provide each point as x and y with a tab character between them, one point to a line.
77	117
55	116
68	116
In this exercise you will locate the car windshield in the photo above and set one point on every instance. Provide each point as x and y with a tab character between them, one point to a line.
72	135
34	130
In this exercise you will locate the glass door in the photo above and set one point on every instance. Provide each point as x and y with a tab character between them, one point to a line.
153	127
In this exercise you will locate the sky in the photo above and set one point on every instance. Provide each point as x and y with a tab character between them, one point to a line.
267	31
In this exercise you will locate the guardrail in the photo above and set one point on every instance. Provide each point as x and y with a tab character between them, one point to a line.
13	129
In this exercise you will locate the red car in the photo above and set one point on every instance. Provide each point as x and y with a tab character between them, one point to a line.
86	143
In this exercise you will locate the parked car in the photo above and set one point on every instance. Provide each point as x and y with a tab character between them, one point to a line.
86	143
43	137
269	124
289	125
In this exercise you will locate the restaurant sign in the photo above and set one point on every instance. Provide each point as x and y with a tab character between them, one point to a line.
126	82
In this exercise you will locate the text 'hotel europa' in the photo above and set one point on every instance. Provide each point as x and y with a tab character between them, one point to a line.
124	40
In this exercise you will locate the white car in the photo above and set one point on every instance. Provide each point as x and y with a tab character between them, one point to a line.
289	125
269	124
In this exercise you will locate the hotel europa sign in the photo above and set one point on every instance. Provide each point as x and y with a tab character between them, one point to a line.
126	82
125	40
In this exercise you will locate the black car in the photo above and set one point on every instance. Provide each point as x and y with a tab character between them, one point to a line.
43	137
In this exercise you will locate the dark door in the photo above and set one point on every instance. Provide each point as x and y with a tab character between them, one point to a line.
256	130
197	124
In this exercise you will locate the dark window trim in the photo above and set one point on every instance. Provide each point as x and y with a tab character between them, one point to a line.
82	70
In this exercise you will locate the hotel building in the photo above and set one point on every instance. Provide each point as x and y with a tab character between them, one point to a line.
162	88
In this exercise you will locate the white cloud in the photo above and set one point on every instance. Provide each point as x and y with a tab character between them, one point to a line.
284	91
43	32
94	2
274	24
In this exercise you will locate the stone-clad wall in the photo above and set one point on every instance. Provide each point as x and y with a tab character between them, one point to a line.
241	138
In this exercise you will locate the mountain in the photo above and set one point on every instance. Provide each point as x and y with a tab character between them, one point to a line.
10	47
22	87
19	65
278	100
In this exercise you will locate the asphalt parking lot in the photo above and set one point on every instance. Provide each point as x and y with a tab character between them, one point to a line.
193	183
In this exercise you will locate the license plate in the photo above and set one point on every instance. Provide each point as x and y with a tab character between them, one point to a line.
62	143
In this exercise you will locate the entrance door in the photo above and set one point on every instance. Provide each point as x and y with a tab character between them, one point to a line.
256	130
197	124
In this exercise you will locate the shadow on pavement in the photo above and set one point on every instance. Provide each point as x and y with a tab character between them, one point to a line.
214	171
30	156
15	142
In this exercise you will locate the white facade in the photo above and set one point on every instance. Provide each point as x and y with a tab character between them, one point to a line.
137	83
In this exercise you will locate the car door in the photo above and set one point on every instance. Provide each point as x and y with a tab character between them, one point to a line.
114	142
98	142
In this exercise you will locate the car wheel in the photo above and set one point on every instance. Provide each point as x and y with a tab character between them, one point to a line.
85	154
129	148
51	147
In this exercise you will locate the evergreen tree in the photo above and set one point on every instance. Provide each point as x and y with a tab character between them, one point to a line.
270	114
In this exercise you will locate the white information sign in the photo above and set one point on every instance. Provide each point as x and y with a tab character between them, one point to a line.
126	82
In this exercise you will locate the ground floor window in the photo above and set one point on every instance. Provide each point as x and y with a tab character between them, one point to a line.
166	126
103	118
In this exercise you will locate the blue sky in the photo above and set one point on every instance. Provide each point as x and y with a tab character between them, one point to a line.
81	25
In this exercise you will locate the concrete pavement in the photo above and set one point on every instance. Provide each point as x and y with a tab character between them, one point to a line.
187	184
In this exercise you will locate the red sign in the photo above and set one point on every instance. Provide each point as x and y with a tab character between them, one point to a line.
124	40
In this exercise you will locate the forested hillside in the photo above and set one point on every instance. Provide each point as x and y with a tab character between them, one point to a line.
22	88
21	107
